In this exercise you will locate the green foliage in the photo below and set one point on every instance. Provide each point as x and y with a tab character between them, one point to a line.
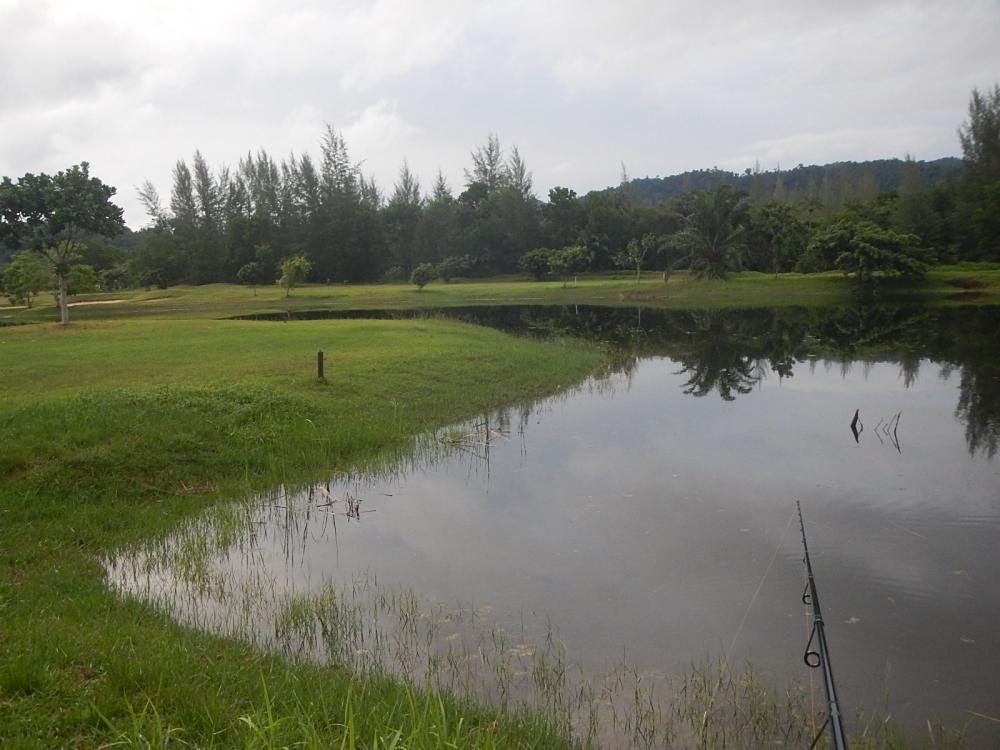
82	279
454	265
986	219
712	233
979	207
826	245
115	279
563	217
349	231
569	261
776	238
865	250
42	210
24	277
536	262
158	260
827	185
634	254
294	271
54	215
980	137
423	275
251	274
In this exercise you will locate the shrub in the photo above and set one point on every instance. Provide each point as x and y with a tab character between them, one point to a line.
423	275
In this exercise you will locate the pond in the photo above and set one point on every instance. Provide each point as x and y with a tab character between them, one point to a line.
645	521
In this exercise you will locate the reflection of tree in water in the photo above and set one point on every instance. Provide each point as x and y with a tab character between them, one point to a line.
730	351
979	408
969	345
715	360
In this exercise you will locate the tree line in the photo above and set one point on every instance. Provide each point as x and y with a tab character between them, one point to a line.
243	223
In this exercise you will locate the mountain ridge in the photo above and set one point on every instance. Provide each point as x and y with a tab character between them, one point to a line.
859	178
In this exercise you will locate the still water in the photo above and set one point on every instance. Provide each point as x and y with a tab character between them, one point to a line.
647	515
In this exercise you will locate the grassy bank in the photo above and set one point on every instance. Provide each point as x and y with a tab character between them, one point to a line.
144	412
965	283
115	431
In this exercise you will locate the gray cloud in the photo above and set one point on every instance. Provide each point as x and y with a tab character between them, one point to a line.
580	87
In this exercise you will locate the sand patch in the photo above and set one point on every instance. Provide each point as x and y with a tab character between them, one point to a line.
95	302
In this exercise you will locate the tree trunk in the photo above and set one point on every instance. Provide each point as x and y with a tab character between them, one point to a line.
63	302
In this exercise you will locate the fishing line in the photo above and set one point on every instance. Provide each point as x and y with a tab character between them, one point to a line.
760	585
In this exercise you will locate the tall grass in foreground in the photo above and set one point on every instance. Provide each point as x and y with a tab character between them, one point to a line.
714	708
313	727
210	575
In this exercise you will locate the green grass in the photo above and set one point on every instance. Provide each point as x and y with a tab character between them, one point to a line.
747	289
143	413
116	431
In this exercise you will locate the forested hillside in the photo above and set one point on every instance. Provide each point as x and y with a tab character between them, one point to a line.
834	183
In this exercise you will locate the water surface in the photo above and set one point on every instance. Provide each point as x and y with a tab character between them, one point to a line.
648	514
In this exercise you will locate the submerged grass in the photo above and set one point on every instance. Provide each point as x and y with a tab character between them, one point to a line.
116	432
458	650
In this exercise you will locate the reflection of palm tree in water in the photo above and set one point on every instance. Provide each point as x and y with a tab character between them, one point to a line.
716	359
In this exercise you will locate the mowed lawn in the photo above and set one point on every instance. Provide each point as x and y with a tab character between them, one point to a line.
971	282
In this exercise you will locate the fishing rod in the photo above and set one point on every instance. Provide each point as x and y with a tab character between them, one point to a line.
820	656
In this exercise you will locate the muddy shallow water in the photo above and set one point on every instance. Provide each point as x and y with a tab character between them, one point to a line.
647	515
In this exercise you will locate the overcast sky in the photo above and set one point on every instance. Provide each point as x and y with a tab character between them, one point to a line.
133	85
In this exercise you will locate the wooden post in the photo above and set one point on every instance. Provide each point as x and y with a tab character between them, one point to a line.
319	364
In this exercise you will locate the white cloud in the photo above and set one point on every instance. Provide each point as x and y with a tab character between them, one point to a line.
664	86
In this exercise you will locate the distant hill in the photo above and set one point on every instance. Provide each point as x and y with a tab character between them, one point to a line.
801	182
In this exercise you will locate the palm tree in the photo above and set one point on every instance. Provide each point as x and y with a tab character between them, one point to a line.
712	235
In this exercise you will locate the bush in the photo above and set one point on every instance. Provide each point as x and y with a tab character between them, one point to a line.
82	279
569	261
24	277
536	262
423	275
452	266
114	279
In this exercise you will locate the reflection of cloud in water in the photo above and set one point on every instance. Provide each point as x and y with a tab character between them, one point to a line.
638	516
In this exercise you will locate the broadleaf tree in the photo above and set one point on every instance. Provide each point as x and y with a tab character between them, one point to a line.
53	215
570	261
294	271
25	276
